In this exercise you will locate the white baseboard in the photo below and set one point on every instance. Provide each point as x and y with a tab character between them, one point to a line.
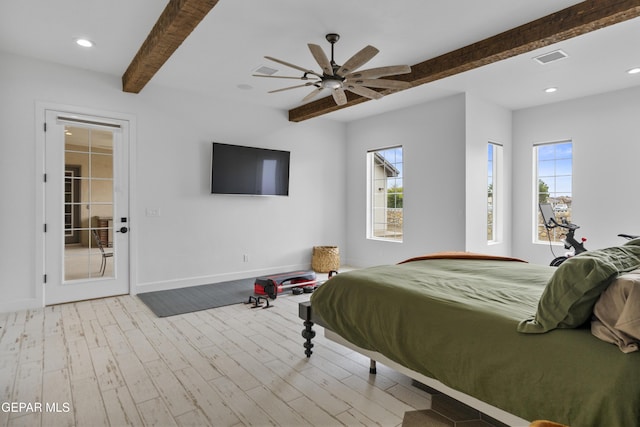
21	304
205	280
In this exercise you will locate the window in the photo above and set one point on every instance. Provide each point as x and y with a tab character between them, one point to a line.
494	159
553	185
385	201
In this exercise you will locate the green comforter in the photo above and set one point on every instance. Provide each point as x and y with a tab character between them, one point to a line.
455	321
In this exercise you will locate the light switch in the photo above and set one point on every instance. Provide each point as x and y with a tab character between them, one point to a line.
152	211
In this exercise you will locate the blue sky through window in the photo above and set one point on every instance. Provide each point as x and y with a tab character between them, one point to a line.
395	158
555	167
490	162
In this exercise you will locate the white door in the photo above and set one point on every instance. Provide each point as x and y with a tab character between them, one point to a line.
86	207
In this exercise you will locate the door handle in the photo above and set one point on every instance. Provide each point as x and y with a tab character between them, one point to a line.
122	230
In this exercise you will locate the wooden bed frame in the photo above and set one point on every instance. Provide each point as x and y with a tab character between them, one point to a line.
306	313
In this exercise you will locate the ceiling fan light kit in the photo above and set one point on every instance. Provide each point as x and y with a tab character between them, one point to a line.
338	78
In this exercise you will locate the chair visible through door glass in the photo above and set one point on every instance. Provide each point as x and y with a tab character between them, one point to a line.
105	254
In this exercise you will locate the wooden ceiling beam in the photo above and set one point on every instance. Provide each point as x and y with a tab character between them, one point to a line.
174	25
573	21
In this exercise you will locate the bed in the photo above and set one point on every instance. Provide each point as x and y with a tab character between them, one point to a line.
499	332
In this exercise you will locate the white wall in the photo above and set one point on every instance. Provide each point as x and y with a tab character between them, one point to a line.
199	238
433	139
605	130
487	122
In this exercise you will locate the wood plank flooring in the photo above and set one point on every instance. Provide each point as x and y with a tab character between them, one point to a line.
111	362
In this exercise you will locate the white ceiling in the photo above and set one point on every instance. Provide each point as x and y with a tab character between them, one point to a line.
229	45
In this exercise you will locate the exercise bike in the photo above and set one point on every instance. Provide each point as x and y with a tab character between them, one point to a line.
550	222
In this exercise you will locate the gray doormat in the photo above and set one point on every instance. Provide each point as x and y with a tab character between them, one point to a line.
195	298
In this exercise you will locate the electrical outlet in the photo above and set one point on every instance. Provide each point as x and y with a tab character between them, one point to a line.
152	212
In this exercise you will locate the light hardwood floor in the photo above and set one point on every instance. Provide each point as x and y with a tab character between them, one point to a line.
112	362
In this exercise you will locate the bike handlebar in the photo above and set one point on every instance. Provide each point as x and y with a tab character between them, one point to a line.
628	236
565	224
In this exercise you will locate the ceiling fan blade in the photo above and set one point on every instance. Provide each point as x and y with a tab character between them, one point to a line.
357	60
290	87
321	58
312	94
374	73
381	83
296	67
339	96
363	91
280	77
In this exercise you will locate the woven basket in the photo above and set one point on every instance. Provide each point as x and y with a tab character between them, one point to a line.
325	259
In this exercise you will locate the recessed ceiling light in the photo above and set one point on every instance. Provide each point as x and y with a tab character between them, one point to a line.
634	70
551	89
84	42
244	86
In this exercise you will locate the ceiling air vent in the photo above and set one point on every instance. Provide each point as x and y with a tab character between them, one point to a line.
546	58
266	70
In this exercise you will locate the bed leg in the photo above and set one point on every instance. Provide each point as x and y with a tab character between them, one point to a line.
308	334
304	312
372	366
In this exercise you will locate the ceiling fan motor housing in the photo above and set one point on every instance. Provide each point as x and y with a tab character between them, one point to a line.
332	82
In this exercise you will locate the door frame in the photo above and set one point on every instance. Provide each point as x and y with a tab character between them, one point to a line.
40	156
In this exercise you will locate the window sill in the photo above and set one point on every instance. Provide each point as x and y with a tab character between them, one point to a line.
382	239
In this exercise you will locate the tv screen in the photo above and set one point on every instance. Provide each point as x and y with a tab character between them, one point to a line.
237	169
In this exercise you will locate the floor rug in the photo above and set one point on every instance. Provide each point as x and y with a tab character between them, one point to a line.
195	298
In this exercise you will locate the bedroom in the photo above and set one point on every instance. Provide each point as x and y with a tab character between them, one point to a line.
186	245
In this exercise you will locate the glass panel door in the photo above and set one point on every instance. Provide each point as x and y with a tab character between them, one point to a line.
86	239
88	155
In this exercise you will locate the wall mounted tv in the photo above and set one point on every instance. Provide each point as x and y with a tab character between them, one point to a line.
238	169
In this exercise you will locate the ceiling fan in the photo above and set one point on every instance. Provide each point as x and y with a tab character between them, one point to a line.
338	78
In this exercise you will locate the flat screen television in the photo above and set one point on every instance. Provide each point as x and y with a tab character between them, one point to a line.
238	169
